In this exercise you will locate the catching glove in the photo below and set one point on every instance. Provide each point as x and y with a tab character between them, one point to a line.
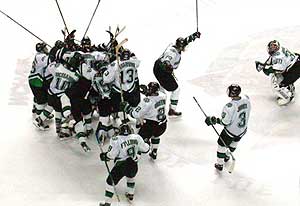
210	120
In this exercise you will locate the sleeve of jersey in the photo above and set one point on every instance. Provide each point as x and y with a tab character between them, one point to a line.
141	109
113	149
109	75
226	115
143	147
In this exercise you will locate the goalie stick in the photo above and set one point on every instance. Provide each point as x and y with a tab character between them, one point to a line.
231	167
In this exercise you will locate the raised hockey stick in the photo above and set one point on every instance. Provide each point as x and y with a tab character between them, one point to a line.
25	28
231	167
120	76
62	17
91	18
197	14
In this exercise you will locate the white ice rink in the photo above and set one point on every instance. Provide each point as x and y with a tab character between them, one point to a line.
36	169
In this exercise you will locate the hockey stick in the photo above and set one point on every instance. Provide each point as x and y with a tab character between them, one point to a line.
231	167
197	14
62	17
107	168
91	18
25	28
120	76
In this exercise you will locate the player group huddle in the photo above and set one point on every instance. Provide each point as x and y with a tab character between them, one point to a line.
74	81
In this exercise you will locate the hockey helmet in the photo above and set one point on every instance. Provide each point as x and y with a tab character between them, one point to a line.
273	46
180	44
41	47
125	54
153	88
59	44
125	129
85	41
233	90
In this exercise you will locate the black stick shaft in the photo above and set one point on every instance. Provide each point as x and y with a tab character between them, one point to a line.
214	129
197	14
24	28
91	18
62	16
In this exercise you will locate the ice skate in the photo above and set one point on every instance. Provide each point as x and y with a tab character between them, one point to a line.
153	155
85	147
104	204
219	167
40	124
174	113
129	197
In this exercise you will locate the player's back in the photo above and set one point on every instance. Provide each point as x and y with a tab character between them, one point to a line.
236	115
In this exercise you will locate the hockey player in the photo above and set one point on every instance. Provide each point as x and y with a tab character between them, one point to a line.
39	88
63	77
284	68
104	128
123	149
166	64
152	110
234	118
124	78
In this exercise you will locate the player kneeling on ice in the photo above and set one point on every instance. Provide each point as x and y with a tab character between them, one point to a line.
151	109
284	68
234	118
123	149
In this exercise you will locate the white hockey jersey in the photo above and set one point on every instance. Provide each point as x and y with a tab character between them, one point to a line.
63	79
151	108
126	75
172	56
122	147
37	73
98	85
235	116
282	60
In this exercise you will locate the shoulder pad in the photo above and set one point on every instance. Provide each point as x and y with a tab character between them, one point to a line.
146	99
229	104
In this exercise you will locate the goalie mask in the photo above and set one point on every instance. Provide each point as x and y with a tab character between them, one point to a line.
273	46
41	47
233	90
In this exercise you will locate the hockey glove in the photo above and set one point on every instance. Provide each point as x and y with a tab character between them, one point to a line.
143	89
210	120
197	34
103	157
259	66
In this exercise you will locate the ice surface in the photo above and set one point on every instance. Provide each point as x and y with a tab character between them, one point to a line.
37	169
